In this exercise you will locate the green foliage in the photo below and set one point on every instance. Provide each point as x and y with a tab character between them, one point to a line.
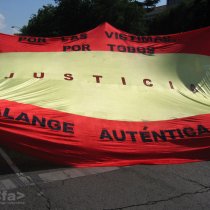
69	17
74	16
42	23
189	15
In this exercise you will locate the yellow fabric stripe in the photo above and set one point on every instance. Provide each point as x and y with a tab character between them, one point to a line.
109	99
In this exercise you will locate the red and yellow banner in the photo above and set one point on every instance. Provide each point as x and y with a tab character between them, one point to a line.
106	97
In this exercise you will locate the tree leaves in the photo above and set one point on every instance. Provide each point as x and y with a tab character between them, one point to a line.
74	16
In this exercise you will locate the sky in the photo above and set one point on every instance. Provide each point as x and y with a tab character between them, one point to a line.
15	13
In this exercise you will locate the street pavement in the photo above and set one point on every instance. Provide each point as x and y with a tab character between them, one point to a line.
29	183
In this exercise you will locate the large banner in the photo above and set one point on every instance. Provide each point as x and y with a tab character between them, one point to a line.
106	97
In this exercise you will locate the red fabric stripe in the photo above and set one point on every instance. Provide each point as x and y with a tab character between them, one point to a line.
194	42
84	148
